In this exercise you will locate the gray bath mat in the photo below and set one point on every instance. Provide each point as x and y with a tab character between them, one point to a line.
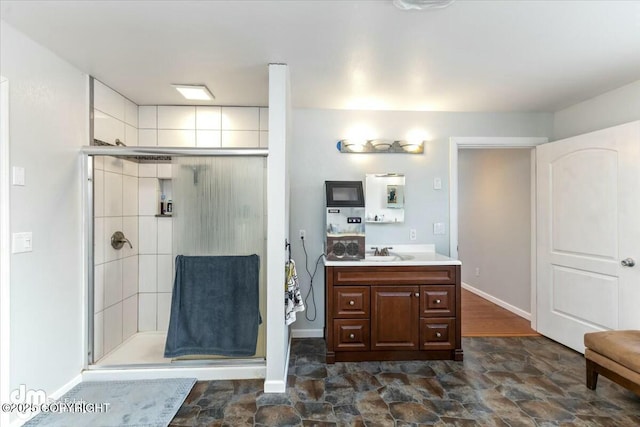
148	403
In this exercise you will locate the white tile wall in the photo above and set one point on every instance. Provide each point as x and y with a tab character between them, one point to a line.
98	193
148	235
208	138
240	138
113	194
107	128
147	137
147	117
130	230
129	195
130	168
165	235
176	138
201	126
148	281
164	311
115	209
108	100
264	139
209	118
98	288
148	200
147	312
98	336
171	117
165	273
240	118
112	164
112	327
264	118
129	316
130	136
147	170
129	276
111	225
112	283
130	113
164	170
98	241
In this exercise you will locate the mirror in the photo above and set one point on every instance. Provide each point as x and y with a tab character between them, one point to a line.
384	198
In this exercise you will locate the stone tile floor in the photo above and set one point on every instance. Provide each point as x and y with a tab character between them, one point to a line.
528	381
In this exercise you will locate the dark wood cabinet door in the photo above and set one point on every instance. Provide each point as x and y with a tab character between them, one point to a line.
394	317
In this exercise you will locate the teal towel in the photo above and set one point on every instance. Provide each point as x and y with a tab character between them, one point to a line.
214	306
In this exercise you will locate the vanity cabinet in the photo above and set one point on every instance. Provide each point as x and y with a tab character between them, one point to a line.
392	313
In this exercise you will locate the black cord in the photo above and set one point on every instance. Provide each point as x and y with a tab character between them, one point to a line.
310	291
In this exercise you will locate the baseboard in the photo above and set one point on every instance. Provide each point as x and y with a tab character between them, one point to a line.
515	310
56	395
307	333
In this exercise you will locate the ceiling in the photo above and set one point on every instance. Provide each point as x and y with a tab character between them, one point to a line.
494	56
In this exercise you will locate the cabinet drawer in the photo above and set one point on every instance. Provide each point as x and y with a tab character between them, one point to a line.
413	275
437	334
351	302
351	334
438	301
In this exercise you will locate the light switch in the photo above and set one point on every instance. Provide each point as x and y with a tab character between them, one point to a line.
22	242
437	183
438	228
17	175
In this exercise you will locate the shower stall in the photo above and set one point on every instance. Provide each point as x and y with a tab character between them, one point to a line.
144	207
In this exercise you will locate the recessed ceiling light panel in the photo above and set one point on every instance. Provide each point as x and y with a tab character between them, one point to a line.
194	92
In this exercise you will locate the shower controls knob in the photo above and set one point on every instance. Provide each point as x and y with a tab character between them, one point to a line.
351	336
352	302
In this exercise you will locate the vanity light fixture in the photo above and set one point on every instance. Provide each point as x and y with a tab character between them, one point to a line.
380	146
194	92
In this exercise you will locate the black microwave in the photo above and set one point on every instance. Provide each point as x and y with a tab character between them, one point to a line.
344	194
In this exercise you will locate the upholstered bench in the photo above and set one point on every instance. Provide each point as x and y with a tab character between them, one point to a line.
614	354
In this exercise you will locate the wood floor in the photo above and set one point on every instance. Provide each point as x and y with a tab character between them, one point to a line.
481	318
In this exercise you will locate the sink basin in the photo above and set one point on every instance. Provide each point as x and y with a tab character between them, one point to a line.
388	258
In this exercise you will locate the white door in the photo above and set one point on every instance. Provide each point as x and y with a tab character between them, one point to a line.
588	212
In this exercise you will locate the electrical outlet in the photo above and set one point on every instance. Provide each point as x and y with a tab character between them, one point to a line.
477	271
303	234
413	234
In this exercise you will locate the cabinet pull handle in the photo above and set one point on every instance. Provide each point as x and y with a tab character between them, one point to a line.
351	336
352	302
418	294
438	334
438	301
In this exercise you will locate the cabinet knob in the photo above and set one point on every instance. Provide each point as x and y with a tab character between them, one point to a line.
438	334
352	336
438	301
352	302
418	294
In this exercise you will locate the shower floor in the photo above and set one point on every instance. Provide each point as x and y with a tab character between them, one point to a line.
140	348
145	348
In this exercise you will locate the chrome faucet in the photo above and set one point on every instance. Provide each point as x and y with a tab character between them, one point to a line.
381	252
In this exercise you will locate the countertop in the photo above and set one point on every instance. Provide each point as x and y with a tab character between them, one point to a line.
420	255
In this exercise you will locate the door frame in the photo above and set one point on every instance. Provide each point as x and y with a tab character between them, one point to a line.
457	143
5	254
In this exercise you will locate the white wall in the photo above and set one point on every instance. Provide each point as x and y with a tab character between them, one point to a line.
48	124
314	159
612	108
494	232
